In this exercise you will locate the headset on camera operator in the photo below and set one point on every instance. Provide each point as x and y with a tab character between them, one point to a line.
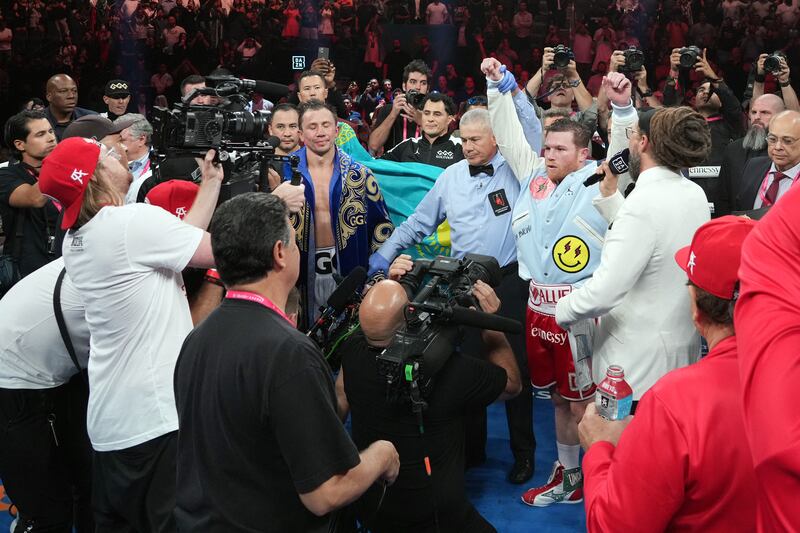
429	494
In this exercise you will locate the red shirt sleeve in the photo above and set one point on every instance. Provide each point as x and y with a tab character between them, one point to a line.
639	485
767	321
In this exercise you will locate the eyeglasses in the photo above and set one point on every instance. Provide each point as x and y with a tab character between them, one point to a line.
630	131
785	141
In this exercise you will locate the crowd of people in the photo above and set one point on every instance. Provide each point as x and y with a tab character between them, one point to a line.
155	309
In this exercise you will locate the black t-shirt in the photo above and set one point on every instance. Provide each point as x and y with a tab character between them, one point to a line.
258	424
402	128
443	152
37	223
463	384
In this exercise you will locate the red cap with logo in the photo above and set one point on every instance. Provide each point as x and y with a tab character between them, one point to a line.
66	172
176	196
712	260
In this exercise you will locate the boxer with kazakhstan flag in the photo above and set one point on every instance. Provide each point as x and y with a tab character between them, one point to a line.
559	236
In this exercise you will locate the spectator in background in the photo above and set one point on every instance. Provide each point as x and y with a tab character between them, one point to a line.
162	80
291	25
468	91
522	23
395	61
137	141
436	13
62	97
117	96
583	48
172	34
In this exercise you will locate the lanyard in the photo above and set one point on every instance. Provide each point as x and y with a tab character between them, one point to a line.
257	298
762	191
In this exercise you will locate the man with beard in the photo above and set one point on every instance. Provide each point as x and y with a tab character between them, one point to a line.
765	179
739	153
559	239
646	326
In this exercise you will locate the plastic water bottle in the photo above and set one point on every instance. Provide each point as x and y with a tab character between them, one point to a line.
614	396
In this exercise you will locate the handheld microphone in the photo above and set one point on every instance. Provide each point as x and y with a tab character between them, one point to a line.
617	164
339	298
479	319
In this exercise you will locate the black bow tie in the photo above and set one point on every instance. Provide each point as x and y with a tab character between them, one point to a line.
474	170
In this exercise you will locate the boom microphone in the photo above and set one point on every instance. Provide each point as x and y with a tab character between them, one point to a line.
340	297
617	164
479	319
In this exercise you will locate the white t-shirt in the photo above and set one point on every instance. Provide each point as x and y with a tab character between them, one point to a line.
437	13
126	263
32	353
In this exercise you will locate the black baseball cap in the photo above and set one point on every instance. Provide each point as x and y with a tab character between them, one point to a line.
117	89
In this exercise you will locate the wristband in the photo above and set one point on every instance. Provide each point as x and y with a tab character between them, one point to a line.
782	84
760	78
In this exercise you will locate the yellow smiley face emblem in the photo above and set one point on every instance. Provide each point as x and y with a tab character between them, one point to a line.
571	254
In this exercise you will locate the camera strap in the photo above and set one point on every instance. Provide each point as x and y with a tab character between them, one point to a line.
62	325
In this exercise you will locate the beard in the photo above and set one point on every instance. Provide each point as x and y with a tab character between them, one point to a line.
634	165
755	139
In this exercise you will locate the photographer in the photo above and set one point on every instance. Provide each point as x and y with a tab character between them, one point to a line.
782	75
564	88
435	146
421	501
29	218
387	130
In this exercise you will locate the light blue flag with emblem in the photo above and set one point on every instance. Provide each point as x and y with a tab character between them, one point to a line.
403	186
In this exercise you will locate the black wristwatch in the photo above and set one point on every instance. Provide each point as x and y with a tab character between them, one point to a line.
788	83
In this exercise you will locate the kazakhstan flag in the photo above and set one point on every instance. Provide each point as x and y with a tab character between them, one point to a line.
403	186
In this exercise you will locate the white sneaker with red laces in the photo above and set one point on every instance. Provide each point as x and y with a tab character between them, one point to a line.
563	486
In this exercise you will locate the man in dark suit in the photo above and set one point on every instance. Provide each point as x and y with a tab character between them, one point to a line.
741	151
765	179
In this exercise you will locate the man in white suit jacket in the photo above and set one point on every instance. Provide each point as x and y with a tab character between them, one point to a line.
638	291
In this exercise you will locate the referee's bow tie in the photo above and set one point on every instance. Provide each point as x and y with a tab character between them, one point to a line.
474	170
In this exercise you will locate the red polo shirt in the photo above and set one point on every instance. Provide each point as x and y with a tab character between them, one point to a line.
683	463
768	324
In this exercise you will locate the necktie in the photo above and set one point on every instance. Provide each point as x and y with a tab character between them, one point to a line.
772	191
474	170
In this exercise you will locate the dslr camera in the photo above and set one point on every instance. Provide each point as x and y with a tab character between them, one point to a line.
634	60
772	63
562	55
415	98
689	56
440	294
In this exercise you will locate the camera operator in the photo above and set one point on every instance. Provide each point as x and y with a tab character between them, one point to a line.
419	501
195	81
29	218
283	124
563	89
636	289
476	196
388	131
435	146
45	455
125	262
255	395
782	75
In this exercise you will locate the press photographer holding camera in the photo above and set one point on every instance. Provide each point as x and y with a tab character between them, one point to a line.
398	121
564	88
429	494
776	65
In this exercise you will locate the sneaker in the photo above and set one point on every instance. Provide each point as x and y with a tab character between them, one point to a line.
563	486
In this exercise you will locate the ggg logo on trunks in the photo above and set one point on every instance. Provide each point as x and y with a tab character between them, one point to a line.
571	254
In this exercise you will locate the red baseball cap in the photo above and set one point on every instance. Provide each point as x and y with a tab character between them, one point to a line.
66	172
176	196
712	260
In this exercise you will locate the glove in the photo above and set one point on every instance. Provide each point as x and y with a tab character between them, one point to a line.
377	263
508	83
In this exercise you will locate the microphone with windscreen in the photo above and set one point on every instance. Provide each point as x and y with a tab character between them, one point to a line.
617	164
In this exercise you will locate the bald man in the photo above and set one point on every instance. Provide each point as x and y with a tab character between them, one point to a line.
739	153
765	179
62	95
462	385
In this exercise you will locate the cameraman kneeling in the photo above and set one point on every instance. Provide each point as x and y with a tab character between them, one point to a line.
420	501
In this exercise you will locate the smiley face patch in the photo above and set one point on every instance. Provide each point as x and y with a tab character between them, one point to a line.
571	254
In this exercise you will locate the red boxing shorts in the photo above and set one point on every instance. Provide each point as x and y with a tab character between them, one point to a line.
549	355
